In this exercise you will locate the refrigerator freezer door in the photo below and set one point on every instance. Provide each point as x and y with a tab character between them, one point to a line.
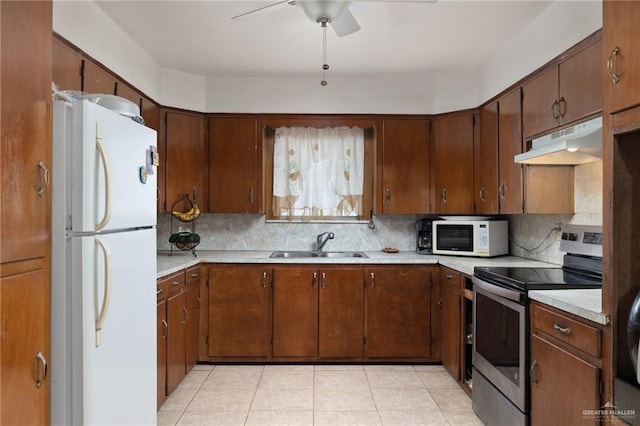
111	183
113	336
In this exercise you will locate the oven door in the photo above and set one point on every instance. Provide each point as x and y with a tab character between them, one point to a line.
499	339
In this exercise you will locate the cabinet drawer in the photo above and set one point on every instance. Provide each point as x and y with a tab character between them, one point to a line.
162	289
174	282
581	336
450	277
193	274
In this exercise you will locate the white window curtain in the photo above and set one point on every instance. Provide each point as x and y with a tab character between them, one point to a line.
318	173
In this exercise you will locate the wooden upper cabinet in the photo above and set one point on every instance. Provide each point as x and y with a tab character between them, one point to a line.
125	91
67	66
453	163
564	93
621	54
25	130
97	79
186	158
510	186
486	162
234	169
405	167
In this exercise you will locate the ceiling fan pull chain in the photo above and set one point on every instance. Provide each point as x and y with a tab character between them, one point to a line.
323	22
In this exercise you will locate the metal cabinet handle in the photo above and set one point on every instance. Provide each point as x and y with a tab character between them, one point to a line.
387	195
251	195
562	107
185	315
323	280
165	329
314	278
502	190
199	303
41	373
264	279
195	274
177	282
444	195
561	329
44	179
555	110
373	280
159	291
448	276
482	194
615	78
533	372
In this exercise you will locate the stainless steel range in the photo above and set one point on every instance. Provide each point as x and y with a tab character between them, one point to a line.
501	322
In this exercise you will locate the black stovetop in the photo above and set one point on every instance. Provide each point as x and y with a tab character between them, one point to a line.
524	279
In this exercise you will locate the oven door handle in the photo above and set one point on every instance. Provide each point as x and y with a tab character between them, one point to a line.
497	290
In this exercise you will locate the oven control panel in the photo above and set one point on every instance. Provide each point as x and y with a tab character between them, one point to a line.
581	239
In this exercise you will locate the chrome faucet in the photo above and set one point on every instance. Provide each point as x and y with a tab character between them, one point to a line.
320	241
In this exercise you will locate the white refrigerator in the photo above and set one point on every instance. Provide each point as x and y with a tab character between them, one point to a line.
103	290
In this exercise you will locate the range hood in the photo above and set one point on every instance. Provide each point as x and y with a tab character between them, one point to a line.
574	145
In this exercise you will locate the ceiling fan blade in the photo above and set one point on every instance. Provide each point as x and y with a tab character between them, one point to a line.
345	24
263	8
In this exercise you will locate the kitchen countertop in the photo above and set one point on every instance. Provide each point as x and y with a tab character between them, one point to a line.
583	303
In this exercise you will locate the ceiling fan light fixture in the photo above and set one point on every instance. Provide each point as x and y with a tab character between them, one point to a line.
323	9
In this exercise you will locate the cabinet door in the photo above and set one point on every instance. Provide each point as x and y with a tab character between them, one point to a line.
562	386
96	79
25	129
581	84
453	155
510	188
67	66
193	324
450	321
239	311
161	338
486	162
176	347
233	166
398	312
24	344
405	167
295	311
540	103
341	317
125	91
186	163
622	53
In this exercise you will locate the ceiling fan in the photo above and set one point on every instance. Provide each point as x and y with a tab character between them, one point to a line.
324	12
334	12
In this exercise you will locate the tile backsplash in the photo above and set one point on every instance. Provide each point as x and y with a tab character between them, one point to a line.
531	235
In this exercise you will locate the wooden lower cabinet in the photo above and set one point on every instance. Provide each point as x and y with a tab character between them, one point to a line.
178	319
451	332
192	326
24	344
318	312
239	312
565	368
162	327
399	306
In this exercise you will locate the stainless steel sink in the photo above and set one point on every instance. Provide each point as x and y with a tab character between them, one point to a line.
304	254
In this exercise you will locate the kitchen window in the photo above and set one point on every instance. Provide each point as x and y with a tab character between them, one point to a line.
319	174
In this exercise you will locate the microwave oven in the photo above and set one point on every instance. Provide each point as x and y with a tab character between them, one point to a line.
482	238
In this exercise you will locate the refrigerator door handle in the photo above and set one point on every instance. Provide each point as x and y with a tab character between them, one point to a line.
107	291
107	183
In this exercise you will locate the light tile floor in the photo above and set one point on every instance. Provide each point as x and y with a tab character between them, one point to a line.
301	395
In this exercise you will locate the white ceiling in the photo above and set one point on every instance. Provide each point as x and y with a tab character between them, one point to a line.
397	37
